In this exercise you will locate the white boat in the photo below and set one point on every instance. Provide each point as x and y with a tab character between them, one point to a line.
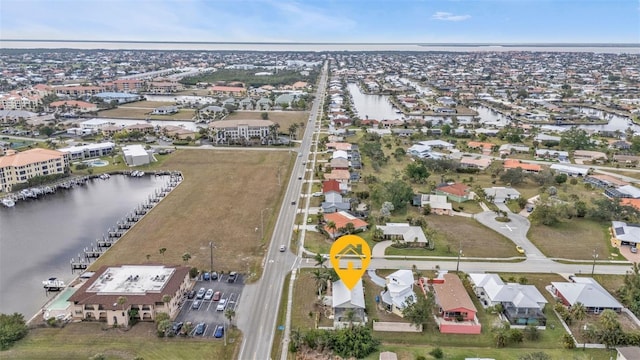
134	173
53	284
8	202
105	176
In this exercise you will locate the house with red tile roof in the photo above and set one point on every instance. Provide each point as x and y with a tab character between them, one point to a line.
484	146
456	311
526	167
342	176
455	192
18	167
81	106
235	91
341	219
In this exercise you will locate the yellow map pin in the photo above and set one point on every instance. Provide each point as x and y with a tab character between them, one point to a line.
356	252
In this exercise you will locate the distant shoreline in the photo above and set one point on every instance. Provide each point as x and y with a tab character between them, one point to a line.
537	44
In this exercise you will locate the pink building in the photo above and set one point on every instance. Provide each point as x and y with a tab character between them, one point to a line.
457	314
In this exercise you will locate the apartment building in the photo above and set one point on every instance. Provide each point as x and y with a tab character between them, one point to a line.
18	167
233	130
19	100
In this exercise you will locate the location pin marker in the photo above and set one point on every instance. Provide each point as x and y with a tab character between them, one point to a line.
357	254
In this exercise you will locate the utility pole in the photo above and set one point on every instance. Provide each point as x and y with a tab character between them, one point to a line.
595	256
458	263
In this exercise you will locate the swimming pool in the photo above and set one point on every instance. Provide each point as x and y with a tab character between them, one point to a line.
98	163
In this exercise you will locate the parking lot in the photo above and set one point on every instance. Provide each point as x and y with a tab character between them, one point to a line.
207	311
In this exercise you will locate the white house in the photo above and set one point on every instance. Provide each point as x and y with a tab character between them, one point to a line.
404	232
588	292
570	170
135	155
501	194
89	150
348	305
399	291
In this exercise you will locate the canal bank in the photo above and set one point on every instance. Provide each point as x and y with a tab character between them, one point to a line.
39	237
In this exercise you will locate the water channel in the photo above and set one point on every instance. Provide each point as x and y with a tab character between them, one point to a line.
38	238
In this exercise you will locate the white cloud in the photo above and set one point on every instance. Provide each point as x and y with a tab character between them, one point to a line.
447	16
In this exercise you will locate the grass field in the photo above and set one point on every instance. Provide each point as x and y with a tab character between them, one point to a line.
573	239
147	104
220	200
84	340
144	113
454	232
283	118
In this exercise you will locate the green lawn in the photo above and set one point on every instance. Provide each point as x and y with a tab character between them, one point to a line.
316	242
574	239
84	340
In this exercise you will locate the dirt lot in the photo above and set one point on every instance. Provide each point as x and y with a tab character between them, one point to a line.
220	200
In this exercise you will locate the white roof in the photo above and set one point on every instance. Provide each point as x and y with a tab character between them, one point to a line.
630	190
409	233
340	154
131	279
587	291
400	278
93	122
93	146
436	143
569	169
626	232
134	150
522	296
345	298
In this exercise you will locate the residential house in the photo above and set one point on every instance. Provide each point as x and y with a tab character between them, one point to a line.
508	149
144	128
457	314
398	292
339	164
246	104
628	353
143	287
165	110
620	145
438	144
522	304
342	176
570	170
588	292
19	167
623	233
526	167
338	146
626	191
80	106
334	185
136	155
627	159
348	305
340	154
333	202
419	150
501	194
582	155
235	91
562	156
341	219
604	181
178	132
475	163
437	203
404	233
457	192
485	147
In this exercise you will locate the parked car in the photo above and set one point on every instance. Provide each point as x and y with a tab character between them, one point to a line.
219	332
519	249
216	296
634	250
200	294
191	294
214	276
200	328
196	304
206	276
232	277
209	294
176	327
221	305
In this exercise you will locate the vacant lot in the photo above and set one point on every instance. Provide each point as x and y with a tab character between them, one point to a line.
455	232
84	340
147	104
306	309
219	201
144	113
282	118
573	239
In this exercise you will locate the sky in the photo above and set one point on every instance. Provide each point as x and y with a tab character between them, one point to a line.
335	21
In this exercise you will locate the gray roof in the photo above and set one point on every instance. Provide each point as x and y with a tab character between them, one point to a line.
408	233
502	192
587	291
521	296
630	190
345	298
570	169
626	232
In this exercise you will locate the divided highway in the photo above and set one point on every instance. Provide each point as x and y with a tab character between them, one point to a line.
258	311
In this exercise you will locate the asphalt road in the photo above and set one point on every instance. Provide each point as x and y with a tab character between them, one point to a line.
257	313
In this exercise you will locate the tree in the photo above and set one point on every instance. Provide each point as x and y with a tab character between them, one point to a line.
264	116
320	277
417	172
230	314
186	257
331	225
578	311
561	178
320	260
162	251
575	139
420	312
611	333
166	299
349	228
513	176
630	291
12	328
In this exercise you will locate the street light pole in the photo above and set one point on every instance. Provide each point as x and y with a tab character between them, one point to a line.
458	263
595	256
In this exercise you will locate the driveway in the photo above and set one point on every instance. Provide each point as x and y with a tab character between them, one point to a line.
515	230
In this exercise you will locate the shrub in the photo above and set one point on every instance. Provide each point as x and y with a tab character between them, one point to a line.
437	353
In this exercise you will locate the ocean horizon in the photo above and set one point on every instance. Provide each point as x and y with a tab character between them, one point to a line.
632	48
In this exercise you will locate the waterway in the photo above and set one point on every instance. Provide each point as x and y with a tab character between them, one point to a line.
38	238
376	107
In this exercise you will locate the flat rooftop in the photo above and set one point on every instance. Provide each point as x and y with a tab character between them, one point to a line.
131	279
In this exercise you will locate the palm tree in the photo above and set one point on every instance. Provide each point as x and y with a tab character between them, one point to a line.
320	260
162	251
230	314
578	311
148	257
321	278
350	228
166	299
122	301
186	257
332	226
